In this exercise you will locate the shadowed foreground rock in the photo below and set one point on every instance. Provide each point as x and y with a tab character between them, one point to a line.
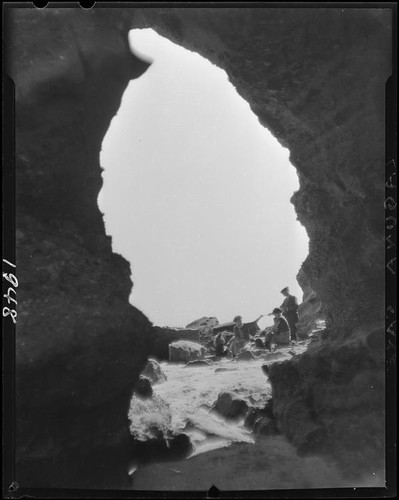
331	400
80	345
230	406
315	78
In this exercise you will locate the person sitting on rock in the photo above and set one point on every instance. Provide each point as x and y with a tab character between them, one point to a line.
290	311
280	331
238	341
219	345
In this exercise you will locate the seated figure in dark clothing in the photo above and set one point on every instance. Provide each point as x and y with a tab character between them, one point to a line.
279	332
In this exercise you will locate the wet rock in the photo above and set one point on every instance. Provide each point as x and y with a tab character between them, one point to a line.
185	351
143	387
153	372
230	406
245	356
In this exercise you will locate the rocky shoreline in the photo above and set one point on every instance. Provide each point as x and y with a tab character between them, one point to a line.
245	406
282	419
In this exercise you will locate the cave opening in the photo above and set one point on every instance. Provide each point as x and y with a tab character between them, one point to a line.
317	77
196	193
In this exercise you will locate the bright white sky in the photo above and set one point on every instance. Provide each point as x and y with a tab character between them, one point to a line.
196	194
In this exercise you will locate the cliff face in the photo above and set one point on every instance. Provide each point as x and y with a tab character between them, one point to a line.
310	309
80	345
315	78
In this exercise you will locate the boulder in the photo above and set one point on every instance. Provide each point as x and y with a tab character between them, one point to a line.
204	326
153	372
204	322
185	351
164	336
230	406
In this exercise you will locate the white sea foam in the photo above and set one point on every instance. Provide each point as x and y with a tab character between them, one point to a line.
189	393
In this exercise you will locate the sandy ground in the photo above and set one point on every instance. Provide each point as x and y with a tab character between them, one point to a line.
270	463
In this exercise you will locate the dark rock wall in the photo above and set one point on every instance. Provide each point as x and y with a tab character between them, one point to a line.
310	309
80	345
315	78
330	400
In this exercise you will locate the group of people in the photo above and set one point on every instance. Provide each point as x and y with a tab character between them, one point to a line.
285	320
284	328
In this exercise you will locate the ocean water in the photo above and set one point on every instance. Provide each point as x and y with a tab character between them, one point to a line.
182	403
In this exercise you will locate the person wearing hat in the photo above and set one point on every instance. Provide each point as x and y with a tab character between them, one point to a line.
280	331
290	311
